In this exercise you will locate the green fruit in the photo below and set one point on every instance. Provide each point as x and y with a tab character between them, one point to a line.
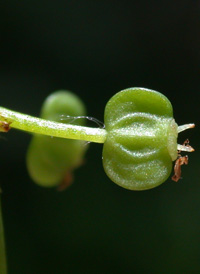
50	160
141	140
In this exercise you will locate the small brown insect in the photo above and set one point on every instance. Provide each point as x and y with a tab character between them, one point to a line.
181	160
4	126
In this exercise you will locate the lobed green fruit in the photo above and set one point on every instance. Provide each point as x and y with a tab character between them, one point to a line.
50	160
141	140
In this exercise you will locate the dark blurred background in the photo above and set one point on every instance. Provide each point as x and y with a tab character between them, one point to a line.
97	48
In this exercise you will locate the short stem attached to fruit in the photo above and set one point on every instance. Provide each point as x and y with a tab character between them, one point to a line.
12	119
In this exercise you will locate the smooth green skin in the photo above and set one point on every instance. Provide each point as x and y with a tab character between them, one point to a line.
141	139
49	159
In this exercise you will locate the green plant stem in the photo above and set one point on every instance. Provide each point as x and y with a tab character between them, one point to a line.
3	267
40	126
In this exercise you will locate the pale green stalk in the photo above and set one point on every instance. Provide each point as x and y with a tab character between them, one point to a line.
3	268
41	126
